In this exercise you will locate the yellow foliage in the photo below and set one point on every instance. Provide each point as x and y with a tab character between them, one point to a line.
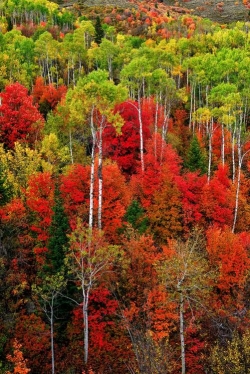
234	357
52	154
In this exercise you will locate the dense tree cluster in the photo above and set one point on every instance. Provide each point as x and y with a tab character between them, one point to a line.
124	191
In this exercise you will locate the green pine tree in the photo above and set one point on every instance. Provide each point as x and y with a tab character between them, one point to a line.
196	158
135	215
58	241
99	32
54	267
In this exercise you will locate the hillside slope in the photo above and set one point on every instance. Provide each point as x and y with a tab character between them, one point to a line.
224	12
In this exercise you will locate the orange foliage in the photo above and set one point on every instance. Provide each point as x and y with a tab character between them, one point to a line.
228	252
116	199
17	359
34	336
162	313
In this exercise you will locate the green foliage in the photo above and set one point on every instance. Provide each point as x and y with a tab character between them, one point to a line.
135	215
58	241
5	187
99	32
195	159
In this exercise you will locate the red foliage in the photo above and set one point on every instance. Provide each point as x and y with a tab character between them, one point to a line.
228	252
116	198
124	148
141	254
75	193
40	199
195	349
217	201
34	336
20	120
191	186
104	334
47	95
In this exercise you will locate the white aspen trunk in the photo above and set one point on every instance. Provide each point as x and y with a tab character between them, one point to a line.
100	176
110	68
240	160
73	71
236	208
164	129
207	88
222	145
156	125
210	149
194	109
92	172
47	66
52	337
191	106
182	338
68	73
141	133
70	147
86	323
199	95
233	155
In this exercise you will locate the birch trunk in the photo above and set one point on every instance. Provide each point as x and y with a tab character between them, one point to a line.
141	133
210	149
156	125
100	176
182	339
92	172
86	324
233	155
70	147
237	198
222	145
52	337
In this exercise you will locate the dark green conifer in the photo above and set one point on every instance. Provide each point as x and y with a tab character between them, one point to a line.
58	241
136	217
99	32
196	159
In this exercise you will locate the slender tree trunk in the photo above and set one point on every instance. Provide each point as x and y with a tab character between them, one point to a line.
240	161
191	106
156	125
52	337
85	307
92	171
236	208
100	176
164	129
182	339
233	155
110	68
210	149
141	133
70	147
222	145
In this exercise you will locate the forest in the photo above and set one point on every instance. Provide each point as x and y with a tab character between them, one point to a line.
124	190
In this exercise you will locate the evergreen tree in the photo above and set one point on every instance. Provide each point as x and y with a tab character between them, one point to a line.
54	269
99	32
136	217
58	241
196	159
